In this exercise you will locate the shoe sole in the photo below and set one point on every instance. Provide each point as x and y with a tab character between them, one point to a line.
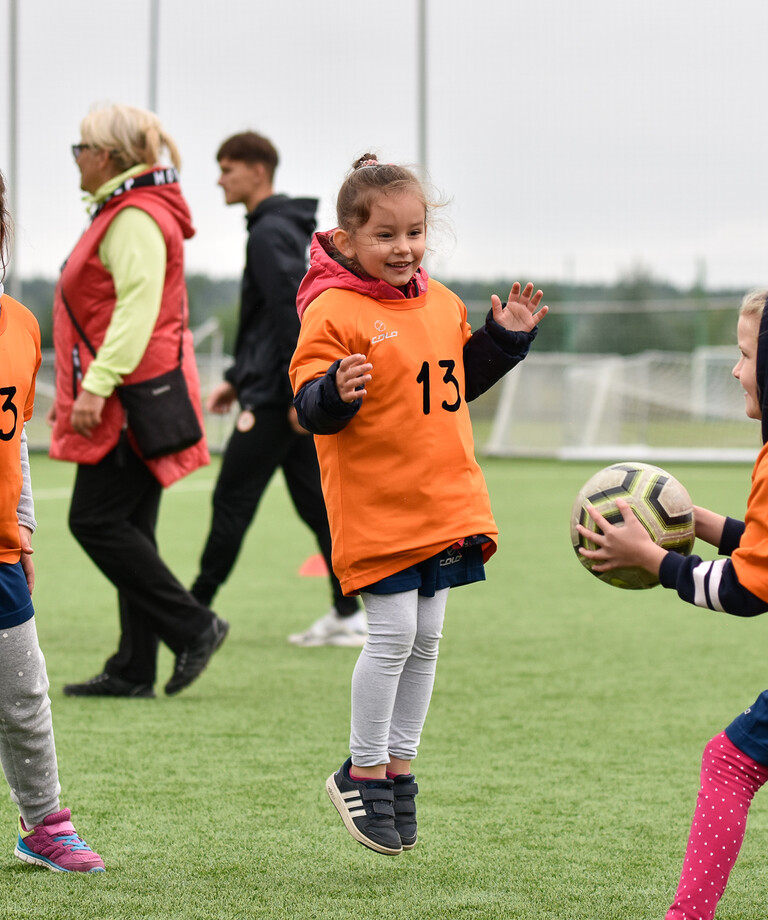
28	857
143	695
339	640
340	804
105	686
219	642
222	636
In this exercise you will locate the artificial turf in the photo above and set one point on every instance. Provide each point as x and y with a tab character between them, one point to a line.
558	767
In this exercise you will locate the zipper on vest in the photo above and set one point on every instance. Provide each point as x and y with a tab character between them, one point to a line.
77	370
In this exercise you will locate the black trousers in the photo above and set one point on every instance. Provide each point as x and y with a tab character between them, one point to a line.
113	516
249	462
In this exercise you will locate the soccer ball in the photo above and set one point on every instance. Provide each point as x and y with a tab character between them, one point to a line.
658	501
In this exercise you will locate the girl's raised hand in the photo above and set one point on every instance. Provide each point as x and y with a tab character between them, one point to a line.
522	311
353	373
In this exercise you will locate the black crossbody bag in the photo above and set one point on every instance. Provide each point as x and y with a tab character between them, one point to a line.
159	411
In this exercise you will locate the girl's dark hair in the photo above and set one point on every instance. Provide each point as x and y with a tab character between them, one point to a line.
6	227
365	182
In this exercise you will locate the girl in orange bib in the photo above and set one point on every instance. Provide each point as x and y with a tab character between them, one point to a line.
385	365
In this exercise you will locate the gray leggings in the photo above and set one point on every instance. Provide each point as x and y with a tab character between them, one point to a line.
27	750
394	675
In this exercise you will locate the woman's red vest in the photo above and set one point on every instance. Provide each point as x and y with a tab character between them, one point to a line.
90	294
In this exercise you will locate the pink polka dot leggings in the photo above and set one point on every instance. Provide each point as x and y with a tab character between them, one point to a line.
729	781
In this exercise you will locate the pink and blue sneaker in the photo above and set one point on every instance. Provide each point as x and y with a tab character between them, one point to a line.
56	845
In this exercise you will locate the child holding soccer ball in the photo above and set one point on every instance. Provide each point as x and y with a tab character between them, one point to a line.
735	762
384	367
27	752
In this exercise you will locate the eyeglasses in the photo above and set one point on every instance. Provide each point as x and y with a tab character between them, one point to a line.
77	149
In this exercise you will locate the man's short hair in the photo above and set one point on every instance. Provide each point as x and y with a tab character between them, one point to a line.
250	147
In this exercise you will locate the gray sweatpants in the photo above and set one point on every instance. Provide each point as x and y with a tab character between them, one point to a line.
27	750
394	675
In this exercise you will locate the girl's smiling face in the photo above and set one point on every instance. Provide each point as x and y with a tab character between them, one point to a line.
745	370
390	245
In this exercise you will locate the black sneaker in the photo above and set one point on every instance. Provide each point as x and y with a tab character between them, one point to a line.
405	790
367	809
109	685
191	661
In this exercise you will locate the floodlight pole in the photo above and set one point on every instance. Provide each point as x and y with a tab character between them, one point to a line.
12	285
154	42
421	114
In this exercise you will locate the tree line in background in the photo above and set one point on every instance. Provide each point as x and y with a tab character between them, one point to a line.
208	297
581	325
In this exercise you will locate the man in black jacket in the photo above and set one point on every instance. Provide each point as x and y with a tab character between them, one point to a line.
267	434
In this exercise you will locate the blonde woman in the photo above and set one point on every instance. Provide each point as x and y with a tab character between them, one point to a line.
120	318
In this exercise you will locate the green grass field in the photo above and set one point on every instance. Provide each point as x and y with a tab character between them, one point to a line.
558	767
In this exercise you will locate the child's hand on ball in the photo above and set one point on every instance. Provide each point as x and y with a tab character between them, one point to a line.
621	546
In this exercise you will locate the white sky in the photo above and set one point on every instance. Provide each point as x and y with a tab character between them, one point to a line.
574	139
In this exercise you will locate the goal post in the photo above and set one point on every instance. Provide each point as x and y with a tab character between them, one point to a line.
654	406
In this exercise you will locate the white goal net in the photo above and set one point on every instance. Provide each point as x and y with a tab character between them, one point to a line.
653	406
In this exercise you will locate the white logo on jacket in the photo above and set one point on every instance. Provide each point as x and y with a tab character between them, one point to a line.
381	327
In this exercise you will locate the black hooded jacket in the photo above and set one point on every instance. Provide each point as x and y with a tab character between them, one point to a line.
279	231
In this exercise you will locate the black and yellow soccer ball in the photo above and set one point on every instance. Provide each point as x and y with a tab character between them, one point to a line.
658	500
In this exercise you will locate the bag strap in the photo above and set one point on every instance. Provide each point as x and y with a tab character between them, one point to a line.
161	175
181	334
86	341
75	323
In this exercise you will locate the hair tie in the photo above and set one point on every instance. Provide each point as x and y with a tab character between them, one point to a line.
367	163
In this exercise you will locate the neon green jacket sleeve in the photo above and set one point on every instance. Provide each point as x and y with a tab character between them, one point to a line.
133	252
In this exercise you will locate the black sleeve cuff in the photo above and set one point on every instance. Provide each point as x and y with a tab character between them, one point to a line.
513	343
319	407
490	353
670	569
731	536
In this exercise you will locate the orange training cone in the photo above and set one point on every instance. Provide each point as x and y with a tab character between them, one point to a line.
314	565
